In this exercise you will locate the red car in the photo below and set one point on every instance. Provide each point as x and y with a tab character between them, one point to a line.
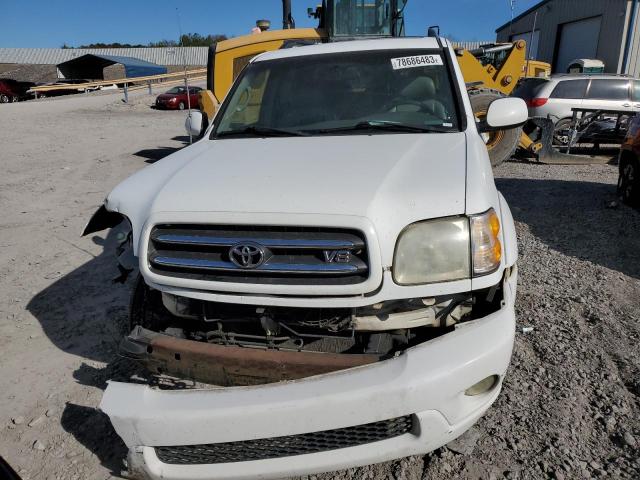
176	98
13	91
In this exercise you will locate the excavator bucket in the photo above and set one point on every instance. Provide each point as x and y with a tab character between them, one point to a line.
545	151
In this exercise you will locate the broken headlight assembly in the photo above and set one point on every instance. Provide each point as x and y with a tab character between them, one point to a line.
448	249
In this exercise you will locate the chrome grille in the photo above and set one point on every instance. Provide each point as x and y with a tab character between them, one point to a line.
311	256
287	446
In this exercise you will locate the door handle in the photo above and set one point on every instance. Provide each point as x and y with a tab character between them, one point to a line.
626	104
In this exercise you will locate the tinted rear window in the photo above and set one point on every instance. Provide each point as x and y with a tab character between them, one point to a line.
529	88
570	89
609	90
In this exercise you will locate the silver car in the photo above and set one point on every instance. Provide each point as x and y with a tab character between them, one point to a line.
555	97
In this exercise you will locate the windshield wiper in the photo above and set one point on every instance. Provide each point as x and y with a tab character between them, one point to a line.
258	131
384	126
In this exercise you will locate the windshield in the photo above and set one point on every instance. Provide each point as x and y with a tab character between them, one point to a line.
176	90
350	93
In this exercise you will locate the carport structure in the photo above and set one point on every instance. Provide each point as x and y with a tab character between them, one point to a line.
107	67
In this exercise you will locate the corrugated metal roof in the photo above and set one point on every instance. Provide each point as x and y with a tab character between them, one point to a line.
54	56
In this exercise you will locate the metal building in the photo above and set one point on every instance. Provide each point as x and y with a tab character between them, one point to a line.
39	64
53	56
559	31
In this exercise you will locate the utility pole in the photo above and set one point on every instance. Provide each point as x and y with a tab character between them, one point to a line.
186	78
512	6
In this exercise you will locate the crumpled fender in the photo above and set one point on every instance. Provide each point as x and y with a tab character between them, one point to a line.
133	197
102	219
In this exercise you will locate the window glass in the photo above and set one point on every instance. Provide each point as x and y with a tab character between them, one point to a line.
362	17
570	89
355	88
245	106
528	88
609	90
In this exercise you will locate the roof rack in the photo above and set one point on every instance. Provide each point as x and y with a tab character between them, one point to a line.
624	75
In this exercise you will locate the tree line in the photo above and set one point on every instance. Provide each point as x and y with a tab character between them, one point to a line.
186	40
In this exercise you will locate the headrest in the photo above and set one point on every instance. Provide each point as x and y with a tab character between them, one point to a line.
419	89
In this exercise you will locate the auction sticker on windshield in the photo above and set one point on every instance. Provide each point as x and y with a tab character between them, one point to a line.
416	61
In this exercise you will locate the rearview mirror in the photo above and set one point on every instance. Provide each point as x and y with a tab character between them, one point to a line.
504	113
193	123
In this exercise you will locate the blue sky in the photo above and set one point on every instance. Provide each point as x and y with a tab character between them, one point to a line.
46	23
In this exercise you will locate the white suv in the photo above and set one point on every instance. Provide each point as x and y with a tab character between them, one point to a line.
555	97
333	255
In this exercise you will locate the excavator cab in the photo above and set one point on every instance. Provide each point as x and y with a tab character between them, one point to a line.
337	20
349	19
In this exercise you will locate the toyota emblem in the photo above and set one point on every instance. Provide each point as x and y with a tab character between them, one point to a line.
247	255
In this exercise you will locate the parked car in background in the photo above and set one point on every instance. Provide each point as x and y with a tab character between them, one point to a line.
629	165
13	91
555	97
176	98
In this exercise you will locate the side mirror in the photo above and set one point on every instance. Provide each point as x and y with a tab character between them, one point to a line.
504	113
193	123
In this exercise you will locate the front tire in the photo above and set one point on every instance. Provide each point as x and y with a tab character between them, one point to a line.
146	308
501	144
4	98
181	105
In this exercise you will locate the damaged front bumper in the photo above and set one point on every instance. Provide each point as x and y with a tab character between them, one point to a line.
407	405
227	366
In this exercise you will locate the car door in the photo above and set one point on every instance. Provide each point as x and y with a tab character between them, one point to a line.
609	94
193	96
567	94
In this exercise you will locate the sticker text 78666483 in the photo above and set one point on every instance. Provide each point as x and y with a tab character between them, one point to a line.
416	61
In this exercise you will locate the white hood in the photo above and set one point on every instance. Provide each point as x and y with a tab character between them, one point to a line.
413	176
391	180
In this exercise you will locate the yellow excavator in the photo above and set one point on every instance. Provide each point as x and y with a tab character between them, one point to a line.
491	71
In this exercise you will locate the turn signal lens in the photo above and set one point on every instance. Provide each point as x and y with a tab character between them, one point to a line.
482	386
486	250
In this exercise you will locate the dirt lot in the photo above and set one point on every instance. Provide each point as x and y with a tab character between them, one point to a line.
569	408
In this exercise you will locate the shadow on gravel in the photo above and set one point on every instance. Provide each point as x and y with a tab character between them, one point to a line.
92	429
575	219
85	314
152	155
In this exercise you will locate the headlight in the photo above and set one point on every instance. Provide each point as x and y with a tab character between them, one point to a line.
448	249
486	249
432	251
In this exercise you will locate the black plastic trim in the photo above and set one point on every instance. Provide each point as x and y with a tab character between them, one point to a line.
101	220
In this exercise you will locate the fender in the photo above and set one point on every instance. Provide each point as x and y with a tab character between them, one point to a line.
101	220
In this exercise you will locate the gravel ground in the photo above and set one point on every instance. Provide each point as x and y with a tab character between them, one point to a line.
569	408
